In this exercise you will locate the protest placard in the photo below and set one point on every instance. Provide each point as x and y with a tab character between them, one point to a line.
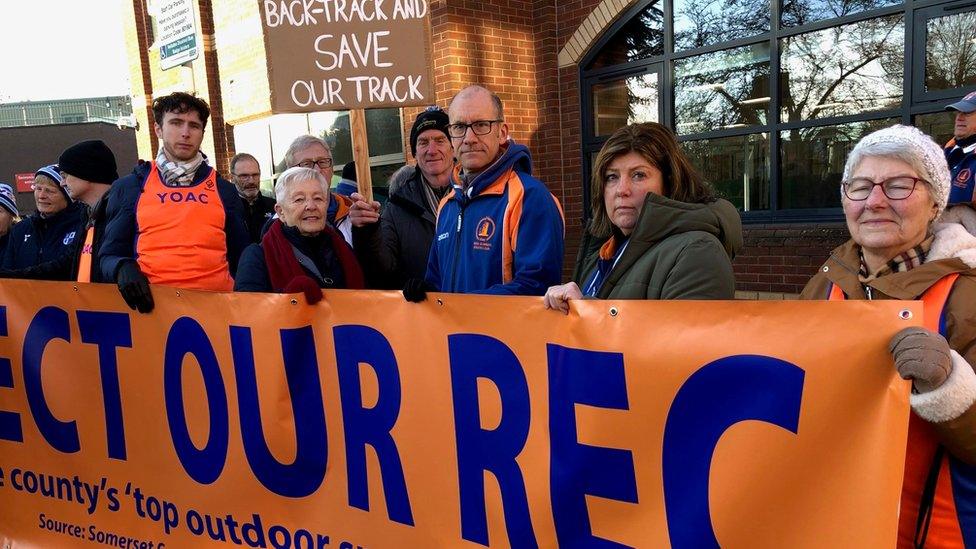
338	55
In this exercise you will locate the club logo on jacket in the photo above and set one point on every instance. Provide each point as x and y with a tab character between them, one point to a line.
68	238
483	234
962	178
210	185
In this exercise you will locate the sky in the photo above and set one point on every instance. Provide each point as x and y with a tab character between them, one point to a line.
61	49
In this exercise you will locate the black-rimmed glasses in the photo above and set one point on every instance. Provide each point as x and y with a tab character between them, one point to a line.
321	163
479	127
895	188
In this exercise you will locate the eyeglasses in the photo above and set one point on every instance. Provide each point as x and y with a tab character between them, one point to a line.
322	163
895	188
479	127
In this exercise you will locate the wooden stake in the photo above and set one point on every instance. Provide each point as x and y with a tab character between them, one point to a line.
360	152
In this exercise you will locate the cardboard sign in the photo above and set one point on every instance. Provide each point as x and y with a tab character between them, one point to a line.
255	420
338	55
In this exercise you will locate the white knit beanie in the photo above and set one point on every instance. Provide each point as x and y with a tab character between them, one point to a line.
920	146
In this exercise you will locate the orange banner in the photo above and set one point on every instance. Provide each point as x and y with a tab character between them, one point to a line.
254	420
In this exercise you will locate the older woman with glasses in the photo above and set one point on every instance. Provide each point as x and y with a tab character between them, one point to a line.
300	252
51	230
894	189
308	151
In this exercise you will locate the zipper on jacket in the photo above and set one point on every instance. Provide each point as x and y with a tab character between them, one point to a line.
867	291
457	250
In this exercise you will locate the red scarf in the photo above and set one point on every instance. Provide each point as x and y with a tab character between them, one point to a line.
287	274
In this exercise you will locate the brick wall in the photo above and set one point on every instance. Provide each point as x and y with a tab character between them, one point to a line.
778	260
150	81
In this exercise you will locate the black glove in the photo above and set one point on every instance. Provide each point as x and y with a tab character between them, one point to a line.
134	286
415	290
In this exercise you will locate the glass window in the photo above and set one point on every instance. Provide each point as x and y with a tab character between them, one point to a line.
627	101
721	90
252	138
284	129
844	70
737	167
642	37
699	23
801	12
383	131
940	125
812	162
950	51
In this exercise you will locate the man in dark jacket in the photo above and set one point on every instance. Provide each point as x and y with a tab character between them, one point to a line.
258	209
51	231
173	221
88	170
960	151
395	249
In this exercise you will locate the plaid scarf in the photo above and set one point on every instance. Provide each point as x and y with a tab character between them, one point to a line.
178	174
902	262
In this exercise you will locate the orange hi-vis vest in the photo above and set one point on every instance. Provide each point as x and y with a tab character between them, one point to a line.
931	512
181	240
85	261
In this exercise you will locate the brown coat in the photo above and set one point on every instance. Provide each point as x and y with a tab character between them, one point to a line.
841	268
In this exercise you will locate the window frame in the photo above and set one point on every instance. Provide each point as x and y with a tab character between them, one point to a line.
919	36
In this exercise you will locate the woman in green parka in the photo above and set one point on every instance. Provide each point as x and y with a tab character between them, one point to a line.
668	236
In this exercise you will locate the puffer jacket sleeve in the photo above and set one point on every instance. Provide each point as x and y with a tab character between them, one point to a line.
252	271
538	250
119	241
702	271
951	408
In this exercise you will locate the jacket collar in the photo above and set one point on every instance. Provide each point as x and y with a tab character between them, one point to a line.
844	262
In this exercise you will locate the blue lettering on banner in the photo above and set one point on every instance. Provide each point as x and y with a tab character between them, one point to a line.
109	331
186	336
576	470
10	427
355	345
474	356
716	397
306	473
48	324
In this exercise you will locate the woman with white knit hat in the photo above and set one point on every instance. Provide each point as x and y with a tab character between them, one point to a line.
894	190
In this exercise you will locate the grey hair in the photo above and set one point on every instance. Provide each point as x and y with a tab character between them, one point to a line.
297	175
909	145
301	143
242	156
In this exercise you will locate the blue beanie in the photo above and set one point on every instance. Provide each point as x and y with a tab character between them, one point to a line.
8	200
53	172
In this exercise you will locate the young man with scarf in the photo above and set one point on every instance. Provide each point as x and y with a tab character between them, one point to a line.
173	221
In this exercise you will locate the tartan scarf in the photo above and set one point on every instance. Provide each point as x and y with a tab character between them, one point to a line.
905	261
178	174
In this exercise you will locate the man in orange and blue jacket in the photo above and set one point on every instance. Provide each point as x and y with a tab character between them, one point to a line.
500	230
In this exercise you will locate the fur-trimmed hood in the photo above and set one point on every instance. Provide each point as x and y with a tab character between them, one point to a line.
955	236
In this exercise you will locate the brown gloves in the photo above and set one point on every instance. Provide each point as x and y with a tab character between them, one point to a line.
922	357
